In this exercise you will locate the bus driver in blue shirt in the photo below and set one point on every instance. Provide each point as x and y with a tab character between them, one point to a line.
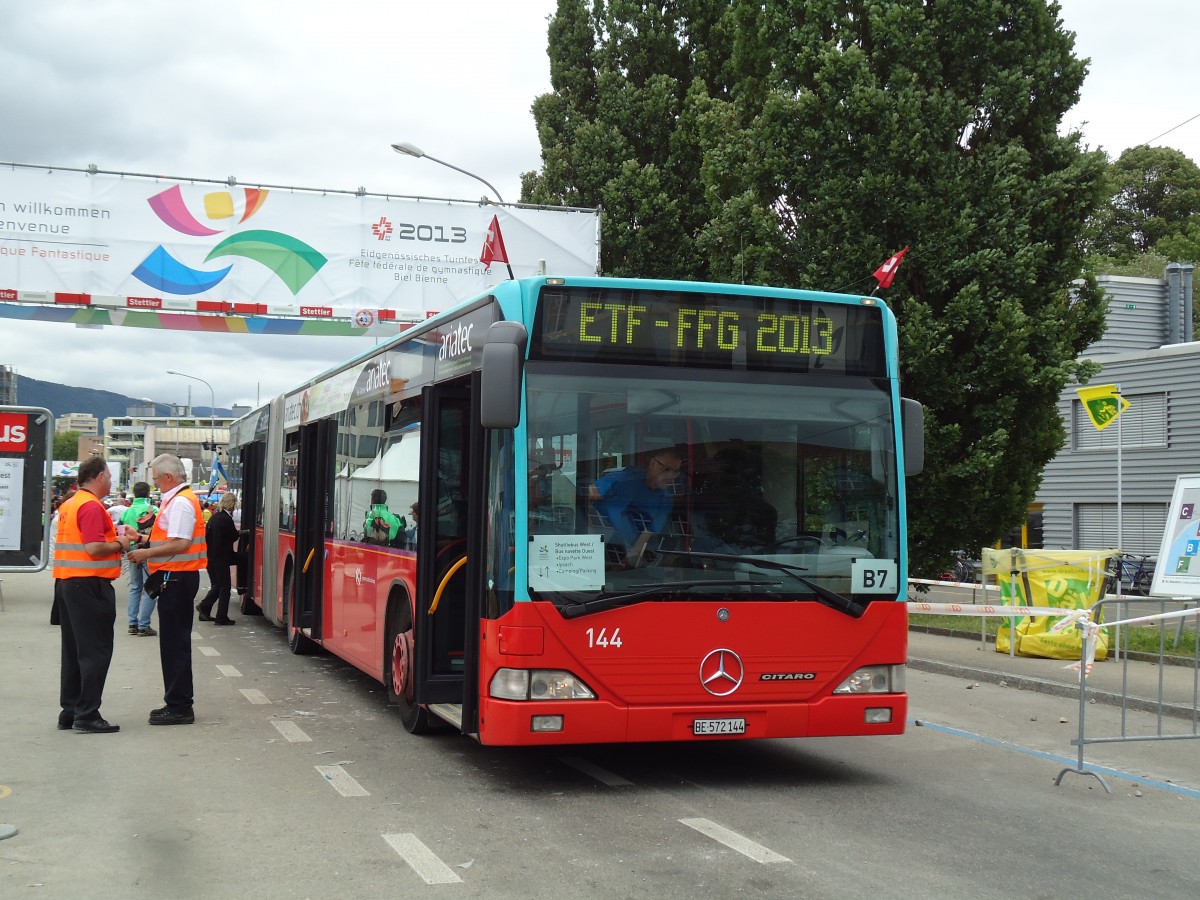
635	499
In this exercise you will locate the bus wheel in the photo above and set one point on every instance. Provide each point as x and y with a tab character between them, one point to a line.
298	642
399	670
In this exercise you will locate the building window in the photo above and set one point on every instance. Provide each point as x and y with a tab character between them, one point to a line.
1143	426
1142	526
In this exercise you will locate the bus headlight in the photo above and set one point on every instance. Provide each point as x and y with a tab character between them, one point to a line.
538	684
873	680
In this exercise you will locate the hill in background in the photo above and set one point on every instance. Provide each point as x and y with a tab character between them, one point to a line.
61	399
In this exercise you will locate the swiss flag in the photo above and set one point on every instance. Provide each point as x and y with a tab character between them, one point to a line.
887	272
493	245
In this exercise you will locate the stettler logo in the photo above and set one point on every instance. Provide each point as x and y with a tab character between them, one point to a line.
721	672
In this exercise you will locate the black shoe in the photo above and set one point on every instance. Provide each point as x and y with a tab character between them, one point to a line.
147	631
65	720
225	621
96	726
133	629
167	716
204	617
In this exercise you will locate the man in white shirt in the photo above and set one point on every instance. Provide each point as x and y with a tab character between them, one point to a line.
177	550
118	509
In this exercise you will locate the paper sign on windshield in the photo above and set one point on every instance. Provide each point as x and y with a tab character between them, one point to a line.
566	562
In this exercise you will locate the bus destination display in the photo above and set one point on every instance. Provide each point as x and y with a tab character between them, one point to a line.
709	330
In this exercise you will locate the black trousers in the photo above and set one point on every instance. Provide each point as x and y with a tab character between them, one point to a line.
175	617
220	586
87	609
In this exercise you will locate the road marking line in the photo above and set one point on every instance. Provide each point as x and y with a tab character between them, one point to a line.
1054	757
734	841
421	859
290	730
229	671
209	651
342	781
589	768
255	696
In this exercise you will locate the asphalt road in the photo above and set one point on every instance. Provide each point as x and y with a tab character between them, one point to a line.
298	781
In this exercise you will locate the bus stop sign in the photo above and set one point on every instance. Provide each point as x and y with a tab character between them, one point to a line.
26	445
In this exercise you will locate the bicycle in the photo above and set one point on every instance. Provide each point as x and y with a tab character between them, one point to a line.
1129	571
964	571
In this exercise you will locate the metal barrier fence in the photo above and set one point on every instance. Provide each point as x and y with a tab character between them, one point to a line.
1158	704
1165	615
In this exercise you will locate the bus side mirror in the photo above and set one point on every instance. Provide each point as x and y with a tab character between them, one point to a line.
912	423
500	384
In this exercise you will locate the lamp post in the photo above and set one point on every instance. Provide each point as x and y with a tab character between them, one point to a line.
212	409
407	149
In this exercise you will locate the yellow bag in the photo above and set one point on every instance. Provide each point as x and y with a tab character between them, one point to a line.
1062	579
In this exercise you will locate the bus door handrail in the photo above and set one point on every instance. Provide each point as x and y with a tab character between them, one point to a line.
437	595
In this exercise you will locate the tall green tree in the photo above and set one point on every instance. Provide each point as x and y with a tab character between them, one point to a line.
801	143
66	444
1154	196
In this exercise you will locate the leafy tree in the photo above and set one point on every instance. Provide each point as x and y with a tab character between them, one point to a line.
1154	197
802	143
66	444
1142	265
1183	246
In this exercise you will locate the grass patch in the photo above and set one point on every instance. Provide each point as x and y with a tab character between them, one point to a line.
1141	638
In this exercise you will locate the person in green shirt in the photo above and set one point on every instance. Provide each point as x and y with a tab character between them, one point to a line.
381	525
140	518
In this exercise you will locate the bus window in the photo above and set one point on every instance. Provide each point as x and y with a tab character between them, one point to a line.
288	482
501	525
377	475
692	466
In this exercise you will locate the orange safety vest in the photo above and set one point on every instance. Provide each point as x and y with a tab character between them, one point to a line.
70	559
195	557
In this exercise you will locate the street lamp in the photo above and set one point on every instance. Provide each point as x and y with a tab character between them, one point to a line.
407	149
212	409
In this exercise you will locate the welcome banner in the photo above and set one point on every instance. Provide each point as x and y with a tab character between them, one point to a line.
69	231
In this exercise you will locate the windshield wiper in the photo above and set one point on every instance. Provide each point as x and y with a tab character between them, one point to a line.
829	598
612	601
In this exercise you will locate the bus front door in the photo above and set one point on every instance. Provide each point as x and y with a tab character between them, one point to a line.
446	627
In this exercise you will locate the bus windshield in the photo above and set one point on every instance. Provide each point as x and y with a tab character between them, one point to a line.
700	485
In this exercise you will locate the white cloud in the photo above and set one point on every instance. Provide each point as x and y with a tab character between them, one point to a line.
313	94
1141	80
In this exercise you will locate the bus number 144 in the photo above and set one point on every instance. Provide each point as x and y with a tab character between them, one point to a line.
604	639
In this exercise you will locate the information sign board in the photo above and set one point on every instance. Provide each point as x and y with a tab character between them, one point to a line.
26	442
1177	573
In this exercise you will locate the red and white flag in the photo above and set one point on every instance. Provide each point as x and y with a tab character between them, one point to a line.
493	245
887	272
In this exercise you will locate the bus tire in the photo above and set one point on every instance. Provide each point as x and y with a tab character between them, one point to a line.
398	667
298	642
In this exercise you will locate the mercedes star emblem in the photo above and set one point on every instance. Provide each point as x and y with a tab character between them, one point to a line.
721	672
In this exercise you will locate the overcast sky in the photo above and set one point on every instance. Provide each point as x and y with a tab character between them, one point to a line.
307	94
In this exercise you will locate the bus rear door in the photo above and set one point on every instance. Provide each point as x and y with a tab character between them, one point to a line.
315	486
250	492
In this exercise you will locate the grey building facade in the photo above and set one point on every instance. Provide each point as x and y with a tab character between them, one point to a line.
1149	352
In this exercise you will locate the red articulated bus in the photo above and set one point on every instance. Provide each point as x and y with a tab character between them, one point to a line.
577	510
